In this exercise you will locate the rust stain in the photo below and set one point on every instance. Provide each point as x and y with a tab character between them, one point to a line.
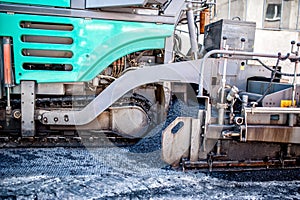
271	134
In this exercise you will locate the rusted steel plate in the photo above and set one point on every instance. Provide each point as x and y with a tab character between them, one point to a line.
281	134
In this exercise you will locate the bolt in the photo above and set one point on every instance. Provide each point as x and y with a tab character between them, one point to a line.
45	119
66	118
55	119
17	114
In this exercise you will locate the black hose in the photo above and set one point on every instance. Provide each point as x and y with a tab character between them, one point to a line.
274	71
270	83
197	30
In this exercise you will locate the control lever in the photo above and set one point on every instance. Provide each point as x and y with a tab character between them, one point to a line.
296	58
224	42
298	47
283	57
292	48
243	40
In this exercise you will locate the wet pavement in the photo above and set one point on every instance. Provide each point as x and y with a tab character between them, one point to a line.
134	172
117	173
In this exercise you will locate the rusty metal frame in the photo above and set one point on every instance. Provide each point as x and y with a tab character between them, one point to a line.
279	134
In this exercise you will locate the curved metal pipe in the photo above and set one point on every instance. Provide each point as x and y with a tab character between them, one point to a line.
185	72
230	52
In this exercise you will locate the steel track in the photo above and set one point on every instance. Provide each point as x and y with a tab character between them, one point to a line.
103	139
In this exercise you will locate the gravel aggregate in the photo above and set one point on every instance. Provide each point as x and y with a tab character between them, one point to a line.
134	172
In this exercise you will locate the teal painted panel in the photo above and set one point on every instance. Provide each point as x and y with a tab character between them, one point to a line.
56	3
96	44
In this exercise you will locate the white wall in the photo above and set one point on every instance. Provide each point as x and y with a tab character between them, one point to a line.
266	40
255	12
269	41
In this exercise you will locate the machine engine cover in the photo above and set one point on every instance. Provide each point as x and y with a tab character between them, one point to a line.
115	3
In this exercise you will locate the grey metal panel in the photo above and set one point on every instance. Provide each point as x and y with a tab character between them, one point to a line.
196	137
186	72
259	87
78	4
266	118
113	3
50	88
233	68
44	88
135	10
176	146
157	1
27	108
233	30
274	99
280	134
175	9
169	53
129	121
86	14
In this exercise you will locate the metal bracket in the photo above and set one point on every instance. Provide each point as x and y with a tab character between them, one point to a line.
176	140
243	133
78	4
87	13
185	72
115	3
27	108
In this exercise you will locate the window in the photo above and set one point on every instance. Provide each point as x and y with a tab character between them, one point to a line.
273	12
231	9
281	14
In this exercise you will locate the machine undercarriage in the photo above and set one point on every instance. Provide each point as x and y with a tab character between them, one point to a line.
130	117
89	71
